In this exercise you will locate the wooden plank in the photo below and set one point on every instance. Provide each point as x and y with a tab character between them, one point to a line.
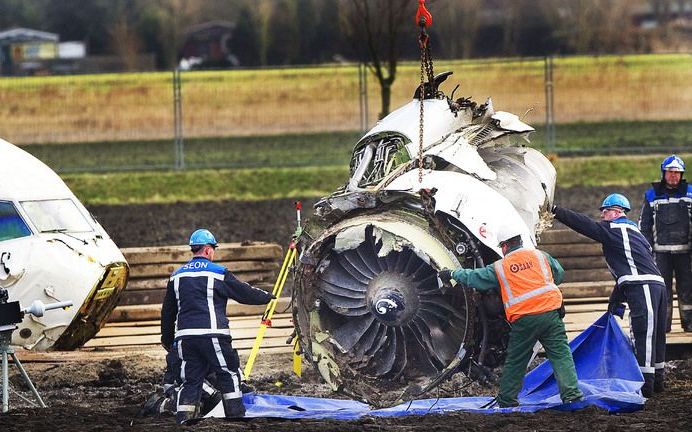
225	252
165	269
283	323
156	296
160	283
583	262
592	275
576	290
562	236
243	338
571	250
153	311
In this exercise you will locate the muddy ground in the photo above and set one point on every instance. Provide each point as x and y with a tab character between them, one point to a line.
273	220
106	395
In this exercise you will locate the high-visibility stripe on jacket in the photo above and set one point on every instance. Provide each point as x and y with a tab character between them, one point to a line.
526	284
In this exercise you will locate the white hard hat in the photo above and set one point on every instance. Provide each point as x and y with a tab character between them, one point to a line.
506	232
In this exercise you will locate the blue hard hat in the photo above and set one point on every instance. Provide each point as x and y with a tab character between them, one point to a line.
202	237
616	200
672	163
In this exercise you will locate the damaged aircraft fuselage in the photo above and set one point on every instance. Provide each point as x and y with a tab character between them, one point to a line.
53	250
367	305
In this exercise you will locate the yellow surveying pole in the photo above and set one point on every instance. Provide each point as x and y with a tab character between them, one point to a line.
289	261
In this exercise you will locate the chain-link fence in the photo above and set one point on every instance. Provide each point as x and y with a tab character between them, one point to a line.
314	115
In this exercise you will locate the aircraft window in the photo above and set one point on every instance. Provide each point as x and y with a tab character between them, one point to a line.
56	216
11	224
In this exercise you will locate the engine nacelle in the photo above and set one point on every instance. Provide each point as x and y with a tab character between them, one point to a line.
368	308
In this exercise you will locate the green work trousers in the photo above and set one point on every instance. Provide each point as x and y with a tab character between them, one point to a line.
548	329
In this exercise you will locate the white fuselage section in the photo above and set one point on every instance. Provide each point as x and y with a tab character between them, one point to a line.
52	250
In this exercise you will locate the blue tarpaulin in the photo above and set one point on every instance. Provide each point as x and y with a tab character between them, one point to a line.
607	371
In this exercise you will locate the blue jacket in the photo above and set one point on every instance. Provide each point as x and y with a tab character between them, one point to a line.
626	251
665	217
196	299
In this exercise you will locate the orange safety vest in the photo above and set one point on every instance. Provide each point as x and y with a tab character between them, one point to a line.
527	285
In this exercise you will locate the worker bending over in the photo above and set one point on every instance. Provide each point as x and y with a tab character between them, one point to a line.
638	281
527	280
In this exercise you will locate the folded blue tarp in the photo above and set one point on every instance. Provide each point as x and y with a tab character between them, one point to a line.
606	367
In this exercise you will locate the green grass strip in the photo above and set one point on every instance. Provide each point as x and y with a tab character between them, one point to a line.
304	182
205	185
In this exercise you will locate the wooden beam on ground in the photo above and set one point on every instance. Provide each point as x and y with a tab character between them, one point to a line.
153	311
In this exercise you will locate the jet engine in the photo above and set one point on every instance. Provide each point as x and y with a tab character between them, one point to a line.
368	307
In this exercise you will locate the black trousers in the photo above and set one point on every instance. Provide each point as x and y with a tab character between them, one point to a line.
201	356
647	304
680	266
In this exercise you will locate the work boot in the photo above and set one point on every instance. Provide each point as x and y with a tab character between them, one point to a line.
152	406
648	387
186	417
246	388
209	402
234	408
659	380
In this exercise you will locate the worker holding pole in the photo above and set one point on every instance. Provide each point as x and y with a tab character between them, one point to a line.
194	316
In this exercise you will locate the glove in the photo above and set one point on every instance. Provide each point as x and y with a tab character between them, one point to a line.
298	232
553	208
617	309
445	276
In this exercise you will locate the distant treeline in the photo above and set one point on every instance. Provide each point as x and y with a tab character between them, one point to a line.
289	32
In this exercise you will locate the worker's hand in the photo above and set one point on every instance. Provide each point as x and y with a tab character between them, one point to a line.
445	276
617	309
297	233
553	208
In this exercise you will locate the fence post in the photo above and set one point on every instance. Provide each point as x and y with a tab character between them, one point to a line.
363	93
549	113
179	163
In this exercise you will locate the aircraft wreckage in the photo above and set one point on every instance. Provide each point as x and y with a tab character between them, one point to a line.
53	250
368	308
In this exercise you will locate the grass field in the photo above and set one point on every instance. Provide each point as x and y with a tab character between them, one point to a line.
138	107
302	182
323	149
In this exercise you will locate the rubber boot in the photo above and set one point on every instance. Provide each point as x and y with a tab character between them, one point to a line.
659	380
648	387
246	388
209	402
234	408
186	417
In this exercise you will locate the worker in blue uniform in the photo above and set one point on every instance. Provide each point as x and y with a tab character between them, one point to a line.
665	221
638	281
194	316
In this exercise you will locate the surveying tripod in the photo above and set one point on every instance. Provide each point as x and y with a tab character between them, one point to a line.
7	351
12	314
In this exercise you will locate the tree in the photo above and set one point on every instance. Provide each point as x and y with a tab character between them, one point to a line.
374	28
246	38
459	21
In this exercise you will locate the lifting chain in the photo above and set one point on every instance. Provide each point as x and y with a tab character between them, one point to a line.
423	19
